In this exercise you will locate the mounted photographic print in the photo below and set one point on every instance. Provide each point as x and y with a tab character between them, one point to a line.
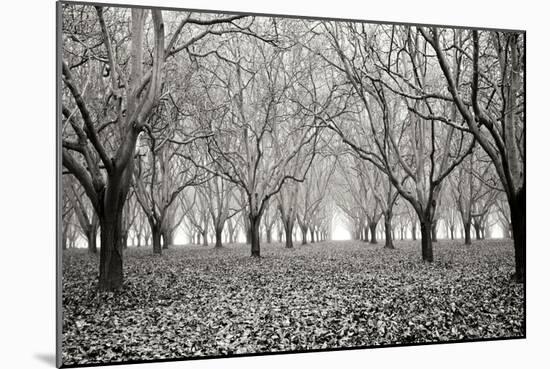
247	184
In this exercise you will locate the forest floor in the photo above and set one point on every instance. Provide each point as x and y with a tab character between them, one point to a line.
198	301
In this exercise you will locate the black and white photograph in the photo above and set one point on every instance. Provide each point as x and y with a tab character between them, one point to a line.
234	184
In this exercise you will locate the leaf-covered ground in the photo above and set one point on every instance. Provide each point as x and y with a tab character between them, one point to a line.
196	301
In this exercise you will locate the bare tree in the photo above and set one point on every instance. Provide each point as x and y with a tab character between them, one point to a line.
99	147
414	152
491	105
219	195
253	118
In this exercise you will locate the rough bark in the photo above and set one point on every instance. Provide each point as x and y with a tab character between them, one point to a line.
426	233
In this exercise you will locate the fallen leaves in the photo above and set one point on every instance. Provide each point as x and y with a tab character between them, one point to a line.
196	301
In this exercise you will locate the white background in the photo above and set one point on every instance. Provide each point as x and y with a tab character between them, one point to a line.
27	183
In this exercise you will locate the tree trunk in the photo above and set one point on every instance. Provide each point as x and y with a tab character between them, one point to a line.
452	229
157	246
517	214
64	240
365	233
254	235
231	232
268	235
413	232
467	237
91	236
205	237
124	239
304	235
312	235
110	255
248	231
372	228
388	229
167	239
288	234
477	230
219	232
426	234
434	231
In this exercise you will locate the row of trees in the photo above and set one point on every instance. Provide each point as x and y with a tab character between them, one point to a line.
209	214
468	207
203	118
